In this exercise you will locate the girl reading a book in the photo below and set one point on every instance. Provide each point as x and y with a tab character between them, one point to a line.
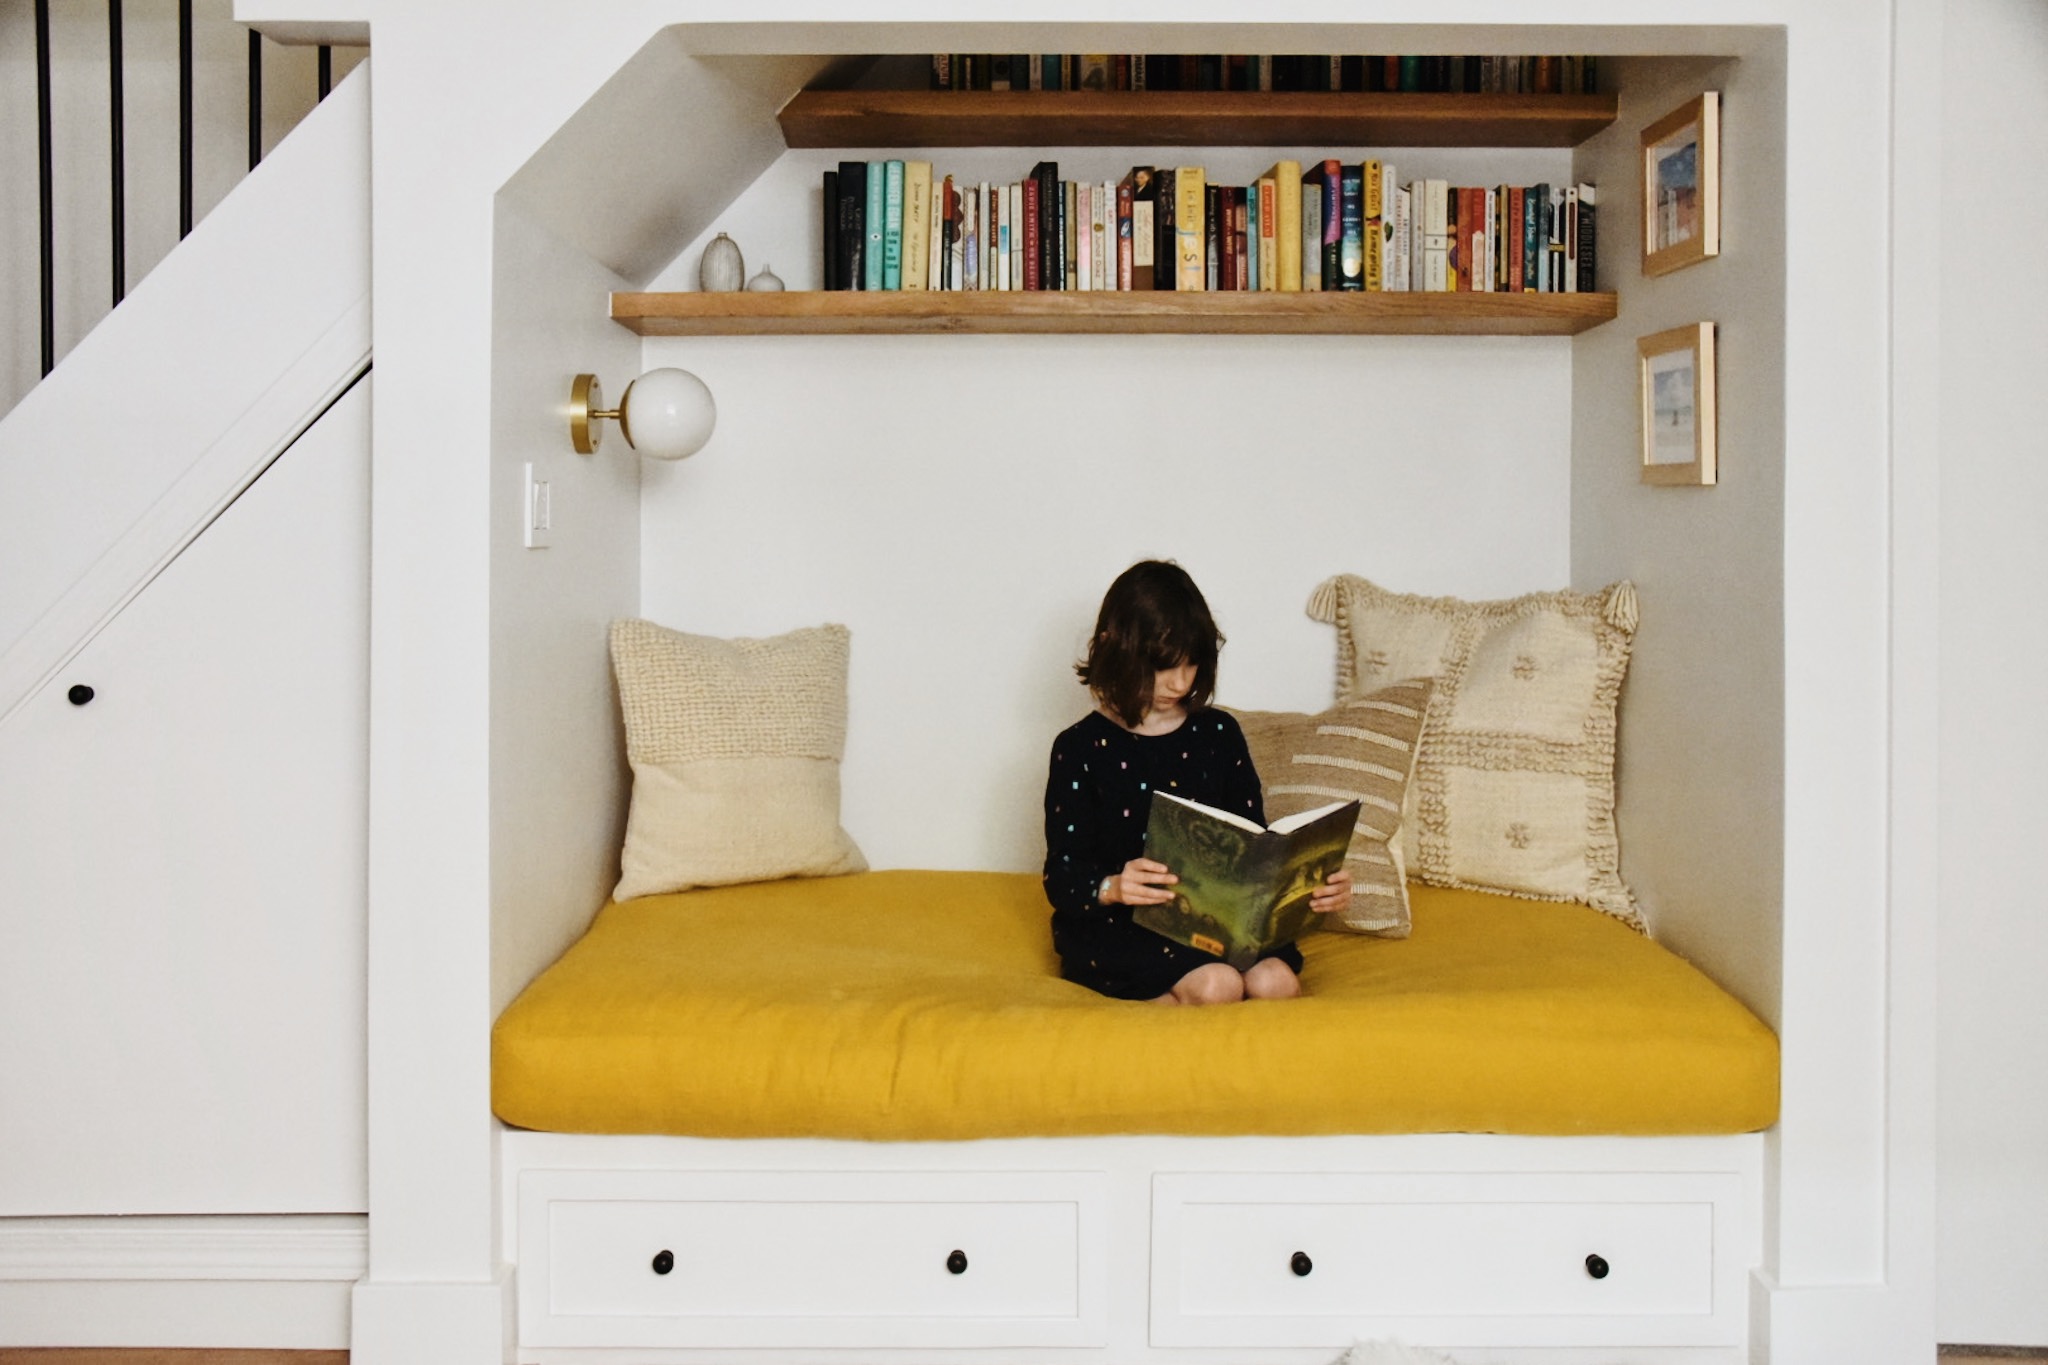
1151	668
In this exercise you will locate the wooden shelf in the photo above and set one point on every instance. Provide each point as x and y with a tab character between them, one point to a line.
805	313
1208	118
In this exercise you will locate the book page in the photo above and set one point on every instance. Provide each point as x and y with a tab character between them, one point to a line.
1289	824
1225	816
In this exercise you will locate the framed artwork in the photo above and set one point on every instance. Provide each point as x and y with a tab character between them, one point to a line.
1677	379
1682	186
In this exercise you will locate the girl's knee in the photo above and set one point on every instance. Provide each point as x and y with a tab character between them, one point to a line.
1271	980
1216	983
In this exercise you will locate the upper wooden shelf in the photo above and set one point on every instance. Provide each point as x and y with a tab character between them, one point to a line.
797	313
1208	118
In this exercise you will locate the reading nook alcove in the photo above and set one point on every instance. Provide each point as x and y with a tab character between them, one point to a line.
953	485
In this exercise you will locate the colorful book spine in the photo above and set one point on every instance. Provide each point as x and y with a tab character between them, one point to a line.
1165	232
1001	239
1312	238
1046	175
917	224
1374	215
1400	226
1333	225
1286	178
853	236
1190	248
1070	222
1435	235
1351	257
875	213
892	225
1269	237
1084	236
1214	225
829	274
1126	233
1588	237
1105	235
1539	239
1034	247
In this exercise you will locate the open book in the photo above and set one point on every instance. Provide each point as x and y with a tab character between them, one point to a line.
1242	889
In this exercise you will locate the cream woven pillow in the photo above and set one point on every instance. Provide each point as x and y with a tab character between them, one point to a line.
1363	749
1514	786
735	747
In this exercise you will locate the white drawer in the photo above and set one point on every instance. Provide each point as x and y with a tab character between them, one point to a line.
1456	1259
754	1258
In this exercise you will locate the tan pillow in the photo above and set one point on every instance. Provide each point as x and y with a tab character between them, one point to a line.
735	747
1364	749
1514	787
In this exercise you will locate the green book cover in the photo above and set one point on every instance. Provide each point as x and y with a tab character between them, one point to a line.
1242	889
892	225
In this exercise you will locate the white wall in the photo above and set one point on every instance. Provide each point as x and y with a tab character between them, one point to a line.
1994	652
80	151
962	503
1701	805
558	774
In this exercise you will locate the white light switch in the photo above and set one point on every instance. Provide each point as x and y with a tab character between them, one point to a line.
540	511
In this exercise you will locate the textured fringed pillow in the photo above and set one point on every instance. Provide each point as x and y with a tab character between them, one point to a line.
1514	785
1362	749
735	747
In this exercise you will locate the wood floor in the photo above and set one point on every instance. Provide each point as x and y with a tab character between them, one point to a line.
39	1355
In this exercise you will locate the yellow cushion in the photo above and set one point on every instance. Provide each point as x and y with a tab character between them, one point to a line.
927	1005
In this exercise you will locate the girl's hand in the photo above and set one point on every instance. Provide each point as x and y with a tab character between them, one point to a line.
1333	894
1142	882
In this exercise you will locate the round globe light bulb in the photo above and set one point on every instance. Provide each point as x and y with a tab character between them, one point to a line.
667	414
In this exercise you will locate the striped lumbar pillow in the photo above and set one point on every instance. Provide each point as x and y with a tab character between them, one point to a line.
1363	749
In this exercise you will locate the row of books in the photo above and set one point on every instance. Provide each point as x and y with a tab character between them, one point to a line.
1508	75
897	225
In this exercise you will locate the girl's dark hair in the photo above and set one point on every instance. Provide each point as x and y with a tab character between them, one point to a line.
1153	617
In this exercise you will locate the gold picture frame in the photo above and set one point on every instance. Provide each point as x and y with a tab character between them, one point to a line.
1682	186
1677	380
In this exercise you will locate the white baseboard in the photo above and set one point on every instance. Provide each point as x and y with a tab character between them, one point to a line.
1870	1324
281	1282
432	1323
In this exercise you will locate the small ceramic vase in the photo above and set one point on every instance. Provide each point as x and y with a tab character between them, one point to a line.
766	280
720	269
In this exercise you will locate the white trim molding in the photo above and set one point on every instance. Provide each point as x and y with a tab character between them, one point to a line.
221	1282
285	1247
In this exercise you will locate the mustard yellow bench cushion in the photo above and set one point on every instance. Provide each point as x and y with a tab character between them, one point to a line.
928	1005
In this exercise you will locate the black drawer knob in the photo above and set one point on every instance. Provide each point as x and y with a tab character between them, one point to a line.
1300	1264
664	1261
1596	1266
957	1262
79	694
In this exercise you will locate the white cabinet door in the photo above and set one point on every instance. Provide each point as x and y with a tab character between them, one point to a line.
810	1258
1534	1259
182	872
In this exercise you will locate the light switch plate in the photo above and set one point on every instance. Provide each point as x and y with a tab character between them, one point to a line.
539	505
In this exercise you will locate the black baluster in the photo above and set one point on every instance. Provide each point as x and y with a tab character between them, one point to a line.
47	183
326	70
118	153
184	118
255	98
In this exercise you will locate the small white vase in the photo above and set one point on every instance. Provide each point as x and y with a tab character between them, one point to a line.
767	280
720	269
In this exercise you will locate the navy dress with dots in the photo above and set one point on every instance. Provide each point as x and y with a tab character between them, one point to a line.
1098	797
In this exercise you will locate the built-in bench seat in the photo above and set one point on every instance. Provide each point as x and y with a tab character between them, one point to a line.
927	1005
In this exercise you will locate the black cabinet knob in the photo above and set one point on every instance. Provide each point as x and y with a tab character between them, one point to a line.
79	694
1596	1266
957	1262
664	1261
1300	1264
